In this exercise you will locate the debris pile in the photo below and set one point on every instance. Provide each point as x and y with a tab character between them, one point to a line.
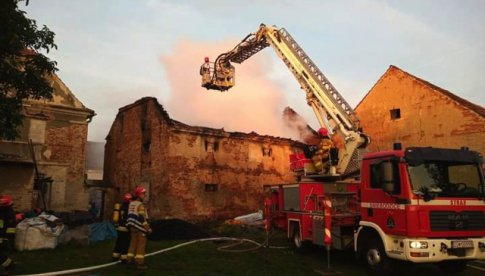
249	219
39	232
175	229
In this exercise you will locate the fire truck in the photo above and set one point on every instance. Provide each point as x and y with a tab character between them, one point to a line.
419	204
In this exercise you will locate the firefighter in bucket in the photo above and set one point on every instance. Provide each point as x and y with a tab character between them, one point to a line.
205	72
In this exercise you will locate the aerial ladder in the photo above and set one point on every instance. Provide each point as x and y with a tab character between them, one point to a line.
331	109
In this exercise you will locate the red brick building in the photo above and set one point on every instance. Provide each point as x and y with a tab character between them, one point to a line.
403	108
191	172
58	129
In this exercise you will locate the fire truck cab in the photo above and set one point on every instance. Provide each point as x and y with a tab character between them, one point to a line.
424	205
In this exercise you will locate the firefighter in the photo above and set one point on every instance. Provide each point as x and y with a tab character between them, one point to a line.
205	67
7	232
205	72
322	154
120	214
139	228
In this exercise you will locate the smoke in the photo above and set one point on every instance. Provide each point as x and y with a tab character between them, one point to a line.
297	123
253	104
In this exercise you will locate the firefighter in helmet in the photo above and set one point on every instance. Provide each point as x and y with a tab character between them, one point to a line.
120	215
205	67
139	228
205	72
322	155
7	231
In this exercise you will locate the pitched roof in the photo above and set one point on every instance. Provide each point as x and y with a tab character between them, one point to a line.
474	107
62	96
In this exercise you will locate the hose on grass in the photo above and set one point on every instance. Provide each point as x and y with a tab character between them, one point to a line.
237	241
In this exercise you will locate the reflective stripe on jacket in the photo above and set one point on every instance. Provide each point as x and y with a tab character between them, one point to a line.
137	216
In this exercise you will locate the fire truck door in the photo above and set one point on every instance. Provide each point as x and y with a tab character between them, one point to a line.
382	200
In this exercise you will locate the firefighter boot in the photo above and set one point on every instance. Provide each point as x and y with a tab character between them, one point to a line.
115	257
140	262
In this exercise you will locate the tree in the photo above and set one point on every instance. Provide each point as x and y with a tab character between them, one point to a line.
23	70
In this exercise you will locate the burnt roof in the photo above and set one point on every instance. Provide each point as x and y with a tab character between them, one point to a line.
474	107
179	126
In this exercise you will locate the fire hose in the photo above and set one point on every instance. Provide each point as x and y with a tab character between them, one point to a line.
237	241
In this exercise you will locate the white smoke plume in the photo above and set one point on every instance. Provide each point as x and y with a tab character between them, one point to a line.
305	133
253	104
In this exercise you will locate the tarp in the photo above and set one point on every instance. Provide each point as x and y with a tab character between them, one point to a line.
39	232
102	231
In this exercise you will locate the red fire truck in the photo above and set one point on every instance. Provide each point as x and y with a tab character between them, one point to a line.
421	204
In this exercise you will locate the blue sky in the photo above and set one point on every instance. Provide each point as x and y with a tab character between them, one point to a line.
109	51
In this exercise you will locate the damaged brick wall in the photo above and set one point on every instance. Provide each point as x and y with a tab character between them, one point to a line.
60	154
135	150
403	108
65	145
192	173
222	176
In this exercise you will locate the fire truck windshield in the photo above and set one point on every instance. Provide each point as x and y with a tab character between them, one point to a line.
446	179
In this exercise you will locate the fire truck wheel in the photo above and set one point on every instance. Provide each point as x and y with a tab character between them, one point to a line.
452	267
298	243
376	259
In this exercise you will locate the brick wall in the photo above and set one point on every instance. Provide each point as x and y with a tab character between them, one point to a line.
66	143
236	165
182	165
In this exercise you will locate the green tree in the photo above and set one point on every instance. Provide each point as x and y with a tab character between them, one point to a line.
23	70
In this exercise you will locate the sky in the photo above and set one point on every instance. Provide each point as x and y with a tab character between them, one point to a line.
114	52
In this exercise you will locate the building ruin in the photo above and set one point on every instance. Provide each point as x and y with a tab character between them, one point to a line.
191	172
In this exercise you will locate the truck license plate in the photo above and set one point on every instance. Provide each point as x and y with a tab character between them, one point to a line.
461	244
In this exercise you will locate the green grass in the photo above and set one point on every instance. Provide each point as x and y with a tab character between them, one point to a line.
204	258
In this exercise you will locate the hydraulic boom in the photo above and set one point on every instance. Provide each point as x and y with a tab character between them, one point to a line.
331	109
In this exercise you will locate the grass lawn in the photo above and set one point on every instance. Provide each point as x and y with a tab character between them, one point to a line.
204	258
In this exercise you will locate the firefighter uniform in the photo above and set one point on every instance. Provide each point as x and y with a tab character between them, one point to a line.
120	215
139	228
7	231
321	157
